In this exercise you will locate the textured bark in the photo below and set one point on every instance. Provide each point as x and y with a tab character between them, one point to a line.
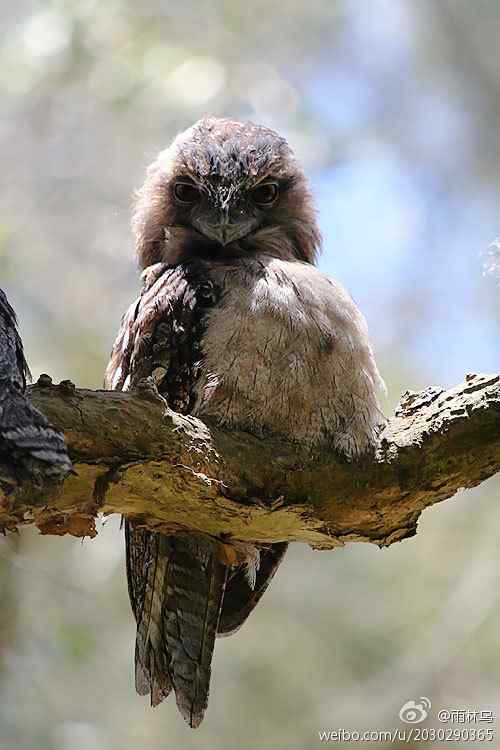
132	455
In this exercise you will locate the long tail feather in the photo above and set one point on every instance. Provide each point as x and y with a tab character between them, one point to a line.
176	587
195	588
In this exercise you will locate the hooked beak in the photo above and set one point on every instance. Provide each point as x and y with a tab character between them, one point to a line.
224	228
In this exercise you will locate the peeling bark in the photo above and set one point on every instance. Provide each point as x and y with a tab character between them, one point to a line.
133	455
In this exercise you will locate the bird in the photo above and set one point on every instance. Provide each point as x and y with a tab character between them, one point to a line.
236	323
30	448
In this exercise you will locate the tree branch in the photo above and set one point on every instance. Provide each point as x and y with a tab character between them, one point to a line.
133	455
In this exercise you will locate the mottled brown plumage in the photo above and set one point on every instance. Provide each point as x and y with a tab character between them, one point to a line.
234	322
29	447
227	159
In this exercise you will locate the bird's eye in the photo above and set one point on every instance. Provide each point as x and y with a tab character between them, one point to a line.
265	194
186	192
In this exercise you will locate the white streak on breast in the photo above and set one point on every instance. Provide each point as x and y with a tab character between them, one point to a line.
116	378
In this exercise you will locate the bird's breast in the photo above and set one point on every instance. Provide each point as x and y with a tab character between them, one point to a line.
285	352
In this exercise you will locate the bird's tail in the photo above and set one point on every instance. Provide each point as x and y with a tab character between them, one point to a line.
176	586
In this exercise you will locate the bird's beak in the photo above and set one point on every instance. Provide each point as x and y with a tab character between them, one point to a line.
224	228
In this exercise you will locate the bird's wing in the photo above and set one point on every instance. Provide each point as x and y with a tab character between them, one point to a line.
240	598
176	583
29	446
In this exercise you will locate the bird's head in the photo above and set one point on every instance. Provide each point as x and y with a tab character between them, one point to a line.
225	189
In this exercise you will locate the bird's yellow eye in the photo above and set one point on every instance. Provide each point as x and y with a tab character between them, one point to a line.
265	194
186	193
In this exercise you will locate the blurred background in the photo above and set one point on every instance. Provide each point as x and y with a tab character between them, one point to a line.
393	108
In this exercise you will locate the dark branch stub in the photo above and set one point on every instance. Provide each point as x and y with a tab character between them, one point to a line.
31	450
